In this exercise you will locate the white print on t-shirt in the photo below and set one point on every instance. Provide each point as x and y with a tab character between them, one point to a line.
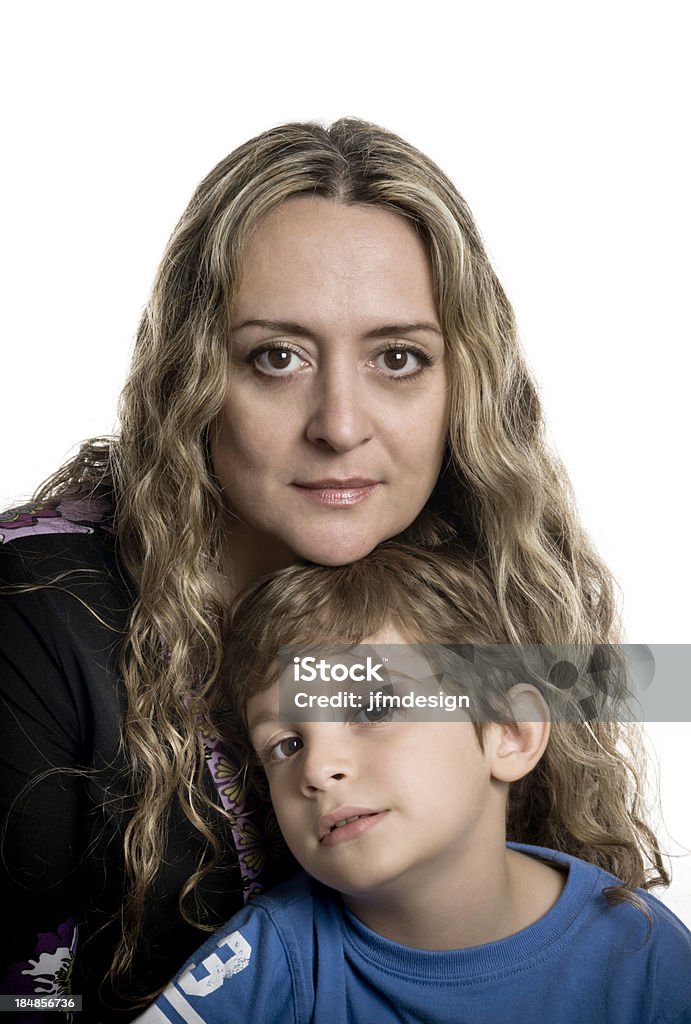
217	970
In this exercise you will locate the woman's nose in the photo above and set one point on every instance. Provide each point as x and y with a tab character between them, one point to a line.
341	417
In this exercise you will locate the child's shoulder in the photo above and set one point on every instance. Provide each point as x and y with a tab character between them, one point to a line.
285	917
261	962
588	878
290	900
300	910
589	885
639	945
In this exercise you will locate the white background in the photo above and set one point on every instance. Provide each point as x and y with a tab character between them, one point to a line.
565	128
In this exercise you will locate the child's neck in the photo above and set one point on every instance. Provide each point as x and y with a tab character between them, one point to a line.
492	896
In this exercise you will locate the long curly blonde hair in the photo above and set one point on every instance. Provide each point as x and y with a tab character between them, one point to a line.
501	491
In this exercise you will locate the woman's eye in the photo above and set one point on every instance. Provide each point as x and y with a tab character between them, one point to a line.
400	362
277	362
286	748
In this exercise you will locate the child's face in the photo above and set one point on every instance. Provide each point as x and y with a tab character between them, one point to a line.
423	794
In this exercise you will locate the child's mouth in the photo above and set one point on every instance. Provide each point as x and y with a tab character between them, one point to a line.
347	821
349	827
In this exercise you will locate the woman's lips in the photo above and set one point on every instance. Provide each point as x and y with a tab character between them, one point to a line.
337	493
351	823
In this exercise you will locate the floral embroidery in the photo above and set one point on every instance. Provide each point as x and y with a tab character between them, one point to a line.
258	841
227	778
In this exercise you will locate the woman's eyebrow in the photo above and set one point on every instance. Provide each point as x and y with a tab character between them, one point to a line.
407	328
385	331
286	326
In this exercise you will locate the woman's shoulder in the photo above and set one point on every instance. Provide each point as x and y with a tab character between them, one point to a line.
42	539
59	565
68	514
65	605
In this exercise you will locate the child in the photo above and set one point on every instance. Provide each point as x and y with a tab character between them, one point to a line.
415	908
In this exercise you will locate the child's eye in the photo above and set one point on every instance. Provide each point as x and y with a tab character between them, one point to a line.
284	749
377	707
372	716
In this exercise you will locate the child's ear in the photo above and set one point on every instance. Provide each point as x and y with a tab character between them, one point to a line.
516	749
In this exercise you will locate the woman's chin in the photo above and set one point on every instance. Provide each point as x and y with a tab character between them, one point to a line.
338	550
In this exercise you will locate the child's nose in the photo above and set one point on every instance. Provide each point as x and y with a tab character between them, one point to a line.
327	760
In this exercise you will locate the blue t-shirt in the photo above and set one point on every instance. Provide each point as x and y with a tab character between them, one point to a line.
297	956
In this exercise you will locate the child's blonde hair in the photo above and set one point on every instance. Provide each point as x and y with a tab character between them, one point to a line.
585	795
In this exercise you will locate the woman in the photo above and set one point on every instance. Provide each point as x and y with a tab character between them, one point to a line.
327	361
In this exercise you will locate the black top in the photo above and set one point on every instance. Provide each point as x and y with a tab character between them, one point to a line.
64	782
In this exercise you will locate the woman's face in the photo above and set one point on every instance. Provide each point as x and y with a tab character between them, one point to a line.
334	425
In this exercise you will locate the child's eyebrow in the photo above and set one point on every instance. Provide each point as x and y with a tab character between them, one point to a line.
260	719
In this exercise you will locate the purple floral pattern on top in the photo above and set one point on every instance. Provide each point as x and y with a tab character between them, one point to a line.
258	841
56	515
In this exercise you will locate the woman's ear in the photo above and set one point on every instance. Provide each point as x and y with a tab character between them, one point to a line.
517	748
